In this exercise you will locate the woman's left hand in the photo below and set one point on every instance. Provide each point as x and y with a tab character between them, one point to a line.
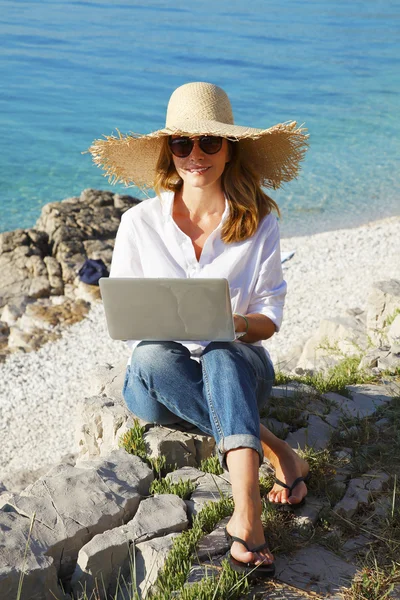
239	323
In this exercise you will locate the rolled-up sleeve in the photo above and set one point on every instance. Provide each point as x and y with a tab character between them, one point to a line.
126	258
268	295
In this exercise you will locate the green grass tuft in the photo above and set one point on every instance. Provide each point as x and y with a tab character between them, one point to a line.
211	465
336	379
173	575
374	583
183	489
133	440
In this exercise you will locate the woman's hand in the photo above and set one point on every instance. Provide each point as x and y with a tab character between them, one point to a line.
239	323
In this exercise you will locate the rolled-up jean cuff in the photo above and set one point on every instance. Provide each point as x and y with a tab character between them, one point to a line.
232	442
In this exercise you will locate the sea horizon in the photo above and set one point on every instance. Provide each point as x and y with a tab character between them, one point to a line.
69	78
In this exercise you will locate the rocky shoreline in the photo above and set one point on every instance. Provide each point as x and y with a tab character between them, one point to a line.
40	292
94	511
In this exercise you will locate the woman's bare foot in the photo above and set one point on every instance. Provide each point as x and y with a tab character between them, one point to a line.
288	467
251	531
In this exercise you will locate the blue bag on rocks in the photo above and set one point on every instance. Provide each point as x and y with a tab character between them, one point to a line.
91	271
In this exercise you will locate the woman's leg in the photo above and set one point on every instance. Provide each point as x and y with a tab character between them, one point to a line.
164	385
245	523
236	379
288	466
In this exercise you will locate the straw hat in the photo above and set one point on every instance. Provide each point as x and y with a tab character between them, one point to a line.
195	109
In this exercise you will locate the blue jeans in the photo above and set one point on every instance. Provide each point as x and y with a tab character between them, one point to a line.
222	394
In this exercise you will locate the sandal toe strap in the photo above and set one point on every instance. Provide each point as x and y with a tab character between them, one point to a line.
291	487
245	544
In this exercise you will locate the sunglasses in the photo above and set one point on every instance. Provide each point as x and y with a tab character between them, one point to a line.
182	146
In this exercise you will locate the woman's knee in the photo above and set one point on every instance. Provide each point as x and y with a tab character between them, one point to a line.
143	404
151	355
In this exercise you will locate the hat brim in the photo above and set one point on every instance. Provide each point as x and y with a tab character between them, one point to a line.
274	153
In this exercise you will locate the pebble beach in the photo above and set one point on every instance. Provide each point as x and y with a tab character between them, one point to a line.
329	273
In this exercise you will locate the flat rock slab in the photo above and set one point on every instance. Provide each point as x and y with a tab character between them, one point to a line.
359	490
315	569
101	559
293	389
307	515
185	474
72	504
316	435
215	543
40	582
180	448
360	407
149	560
275	591
210	488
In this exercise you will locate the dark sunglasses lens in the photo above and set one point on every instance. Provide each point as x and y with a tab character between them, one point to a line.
210	144
181	147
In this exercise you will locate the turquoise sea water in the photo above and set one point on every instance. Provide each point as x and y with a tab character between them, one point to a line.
72	71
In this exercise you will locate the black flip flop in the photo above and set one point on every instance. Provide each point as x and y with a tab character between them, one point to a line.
253	571
287	505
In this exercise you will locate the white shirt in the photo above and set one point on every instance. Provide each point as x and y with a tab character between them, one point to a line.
150	244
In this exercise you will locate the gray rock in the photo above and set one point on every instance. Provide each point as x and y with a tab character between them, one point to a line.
307	515
393	333
379	394
371	358
364	401
390	362
165	513
150	558
210	488
54	275
11	313
208	569
123	202
383	302
315	569
108	380
9	240
335	338
178	447
40	574
72	504
108	553
316	435
288	362
334	417
215	543
293	389
395	593
100	423
358	492
276	591
355	545
185	474
18	480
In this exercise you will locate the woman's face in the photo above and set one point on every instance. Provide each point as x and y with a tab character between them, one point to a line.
201	170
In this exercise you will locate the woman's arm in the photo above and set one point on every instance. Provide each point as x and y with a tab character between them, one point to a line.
125	259
265	308
260	327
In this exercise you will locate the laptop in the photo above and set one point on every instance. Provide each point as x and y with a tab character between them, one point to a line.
162	309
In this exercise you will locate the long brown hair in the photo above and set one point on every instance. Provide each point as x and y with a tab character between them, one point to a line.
248	203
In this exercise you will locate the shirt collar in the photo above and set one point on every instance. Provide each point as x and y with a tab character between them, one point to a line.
167	201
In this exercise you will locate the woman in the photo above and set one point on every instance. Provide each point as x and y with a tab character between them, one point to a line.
210	218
